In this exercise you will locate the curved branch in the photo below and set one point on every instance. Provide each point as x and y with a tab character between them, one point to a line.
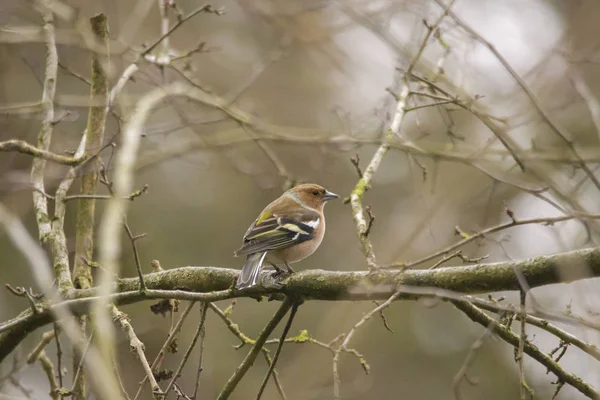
258	345
21	146
213	284
478	316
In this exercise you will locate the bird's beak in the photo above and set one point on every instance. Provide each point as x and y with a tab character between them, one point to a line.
330	196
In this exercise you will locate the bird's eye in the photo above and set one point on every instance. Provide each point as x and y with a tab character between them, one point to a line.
315	192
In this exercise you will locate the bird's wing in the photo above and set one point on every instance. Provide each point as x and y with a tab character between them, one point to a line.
272	231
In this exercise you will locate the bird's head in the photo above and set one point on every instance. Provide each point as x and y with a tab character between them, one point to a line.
313	195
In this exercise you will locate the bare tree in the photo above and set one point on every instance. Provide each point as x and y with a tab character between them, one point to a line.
472	161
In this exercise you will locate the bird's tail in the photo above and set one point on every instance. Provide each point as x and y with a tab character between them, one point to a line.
249	275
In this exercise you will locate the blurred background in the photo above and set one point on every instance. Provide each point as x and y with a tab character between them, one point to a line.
315	73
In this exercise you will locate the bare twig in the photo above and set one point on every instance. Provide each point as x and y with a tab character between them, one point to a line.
201	352
386	325
286	329
136	346
256	348
457	254
371	220
524	388
559	386
134	67
59	355
478	316
48	368
564	136
188	352
136	255
364	182
170	338
77	370
564	336
121	386
348	338
234	328
21	146
206	8
492	125
468	238
464	368
289	180
39	348
355	160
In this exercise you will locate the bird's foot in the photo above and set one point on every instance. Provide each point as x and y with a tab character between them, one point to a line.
289	269
280	273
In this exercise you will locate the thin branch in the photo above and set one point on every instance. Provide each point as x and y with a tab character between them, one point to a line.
480	317
256	348
278	385
523	387
234	328
469	359
206	8
289	180
532	97
364	182
136	255
170	338
121	386
492	125
201	352
564	336
48	368
39	348
123	79
59	355
303	337
78	385
348	338
75	74
21	146
136	346
286	329
134	67
188	352
468	238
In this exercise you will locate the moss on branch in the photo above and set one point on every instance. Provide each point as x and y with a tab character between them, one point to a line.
360	285
213	284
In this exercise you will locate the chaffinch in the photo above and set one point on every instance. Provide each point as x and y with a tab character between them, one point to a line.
290	229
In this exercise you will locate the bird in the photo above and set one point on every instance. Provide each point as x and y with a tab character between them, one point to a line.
289	229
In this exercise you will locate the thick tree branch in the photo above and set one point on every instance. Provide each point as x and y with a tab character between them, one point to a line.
84	238
82	275
213	284
40	203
